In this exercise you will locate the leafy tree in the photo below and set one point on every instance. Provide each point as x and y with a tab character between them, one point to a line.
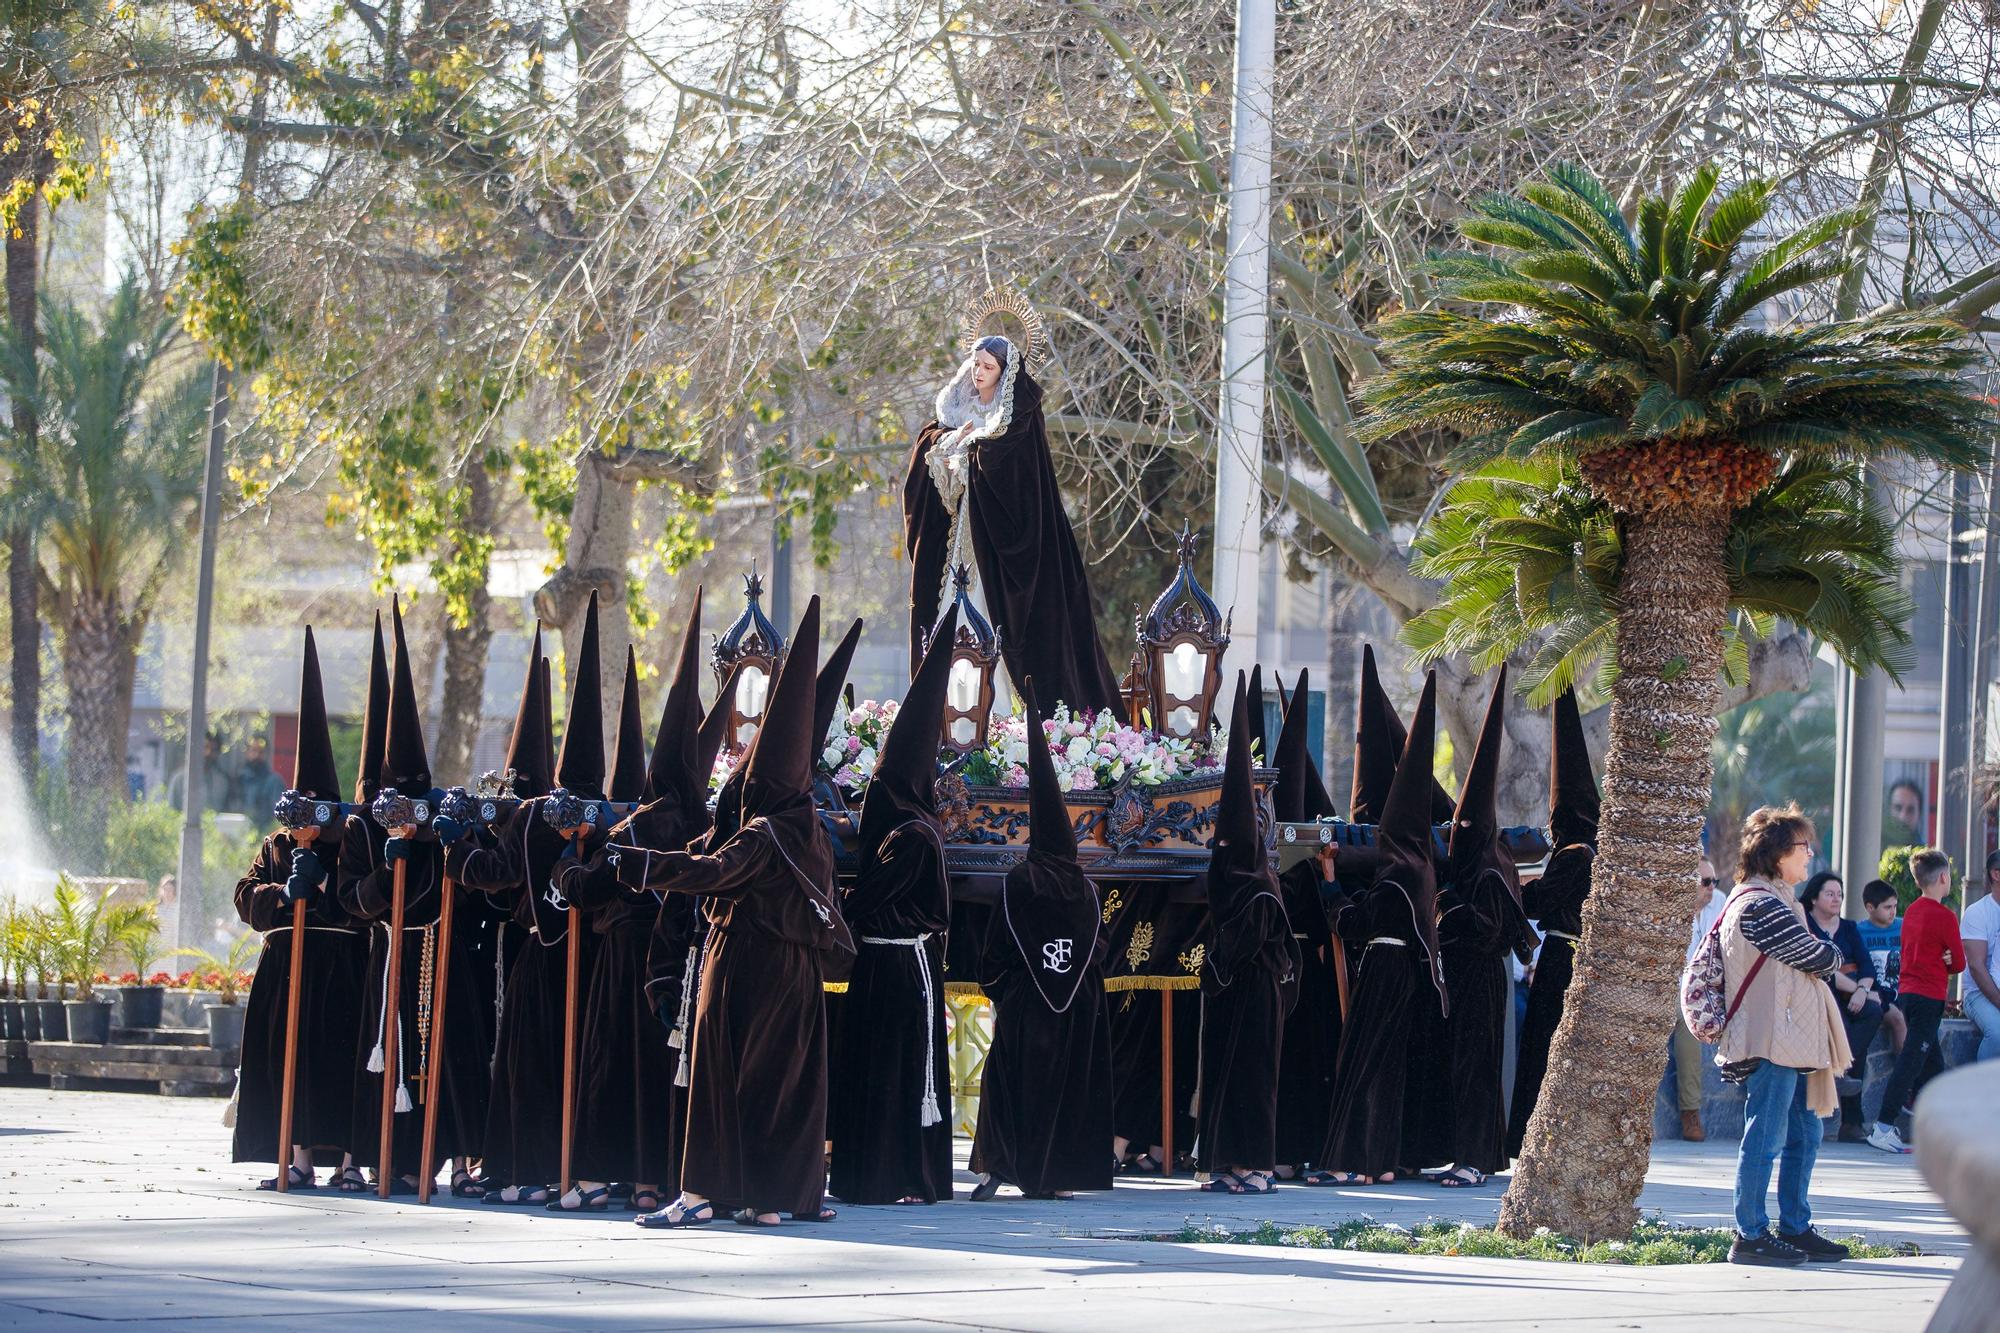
115	463
1629	351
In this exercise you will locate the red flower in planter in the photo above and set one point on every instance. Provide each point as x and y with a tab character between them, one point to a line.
160	979
127	978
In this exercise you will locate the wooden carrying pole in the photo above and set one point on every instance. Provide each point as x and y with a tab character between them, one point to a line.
573	949
391	1020
1339	954
1166	1083
434	1052
291	1047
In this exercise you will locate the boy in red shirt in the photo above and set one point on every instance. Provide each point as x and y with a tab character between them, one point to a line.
1932	954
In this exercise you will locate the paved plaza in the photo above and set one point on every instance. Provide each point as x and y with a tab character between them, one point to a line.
122	1209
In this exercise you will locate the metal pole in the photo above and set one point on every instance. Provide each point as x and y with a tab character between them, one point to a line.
187	922
1858	816
1954	685
1239	454
1987	611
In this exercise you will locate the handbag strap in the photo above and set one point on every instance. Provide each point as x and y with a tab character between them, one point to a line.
1755	967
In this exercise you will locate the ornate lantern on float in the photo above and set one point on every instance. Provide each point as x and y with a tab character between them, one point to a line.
1181	642
975	653
754	644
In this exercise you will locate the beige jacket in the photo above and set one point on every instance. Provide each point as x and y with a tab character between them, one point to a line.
1788	1017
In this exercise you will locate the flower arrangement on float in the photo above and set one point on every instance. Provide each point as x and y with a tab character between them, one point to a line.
1093	752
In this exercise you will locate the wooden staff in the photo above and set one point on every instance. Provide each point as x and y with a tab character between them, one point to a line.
440	989
291	1047
1339	970
392	1000
573	950
1166	1083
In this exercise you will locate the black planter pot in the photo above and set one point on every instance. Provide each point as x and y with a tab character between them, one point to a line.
225	1027
12	1026
55	1024
89	1021
31	1020
141	1006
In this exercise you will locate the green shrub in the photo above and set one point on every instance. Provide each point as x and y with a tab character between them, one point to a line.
142	841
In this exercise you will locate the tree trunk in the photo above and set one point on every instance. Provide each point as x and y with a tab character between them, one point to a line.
96	650
460	713
1591	1136
23	589
594	559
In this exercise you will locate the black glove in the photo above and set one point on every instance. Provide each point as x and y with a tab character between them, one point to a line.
396	849
307	875
449	830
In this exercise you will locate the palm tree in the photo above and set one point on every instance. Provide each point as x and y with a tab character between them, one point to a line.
114	468
1630	351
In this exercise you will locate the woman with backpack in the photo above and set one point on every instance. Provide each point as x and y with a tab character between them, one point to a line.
1781	1037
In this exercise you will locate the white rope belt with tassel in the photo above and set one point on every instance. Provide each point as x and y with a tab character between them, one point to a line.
376	1062
930	1114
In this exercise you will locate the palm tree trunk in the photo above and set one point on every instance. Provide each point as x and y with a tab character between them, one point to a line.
95	648
1591	1136
23	585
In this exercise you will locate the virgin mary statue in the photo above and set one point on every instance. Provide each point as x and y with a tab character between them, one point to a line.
981	491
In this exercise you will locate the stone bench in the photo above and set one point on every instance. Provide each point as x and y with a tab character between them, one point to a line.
1722	1103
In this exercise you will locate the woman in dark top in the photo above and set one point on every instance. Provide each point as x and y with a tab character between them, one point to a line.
1853	985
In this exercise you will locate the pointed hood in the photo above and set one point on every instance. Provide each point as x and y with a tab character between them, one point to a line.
313	772
1048	907
628	756
580	767
1298	767
1256	699
1237	840
405	765
1049	829
714	731
1475	824
1403	838
827	687
905	783
531	749
1573	799
779	768
374	721
675	768
1378	743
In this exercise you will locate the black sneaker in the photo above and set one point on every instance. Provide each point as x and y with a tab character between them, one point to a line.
1766	1251
1816	1248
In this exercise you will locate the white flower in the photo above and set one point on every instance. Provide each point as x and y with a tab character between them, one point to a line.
833	755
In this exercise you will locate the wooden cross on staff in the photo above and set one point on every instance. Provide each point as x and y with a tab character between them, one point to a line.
440	992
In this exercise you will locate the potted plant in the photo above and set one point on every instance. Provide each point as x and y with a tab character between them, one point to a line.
86	929
44	1014
224	975
141	999
13	970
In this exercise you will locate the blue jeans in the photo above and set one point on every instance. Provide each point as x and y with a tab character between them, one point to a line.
1986	1016
1778	1127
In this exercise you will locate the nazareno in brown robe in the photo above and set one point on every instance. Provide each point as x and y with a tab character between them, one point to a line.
1031	571
1393	924
889	1108
1045	1090
756	1122
1249	977
331	960
365	890
1555	902
1457	1109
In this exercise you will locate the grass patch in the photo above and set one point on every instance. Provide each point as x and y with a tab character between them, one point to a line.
1653	1241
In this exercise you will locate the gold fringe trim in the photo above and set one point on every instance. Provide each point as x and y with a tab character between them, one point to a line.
834	987
1113	985
964	990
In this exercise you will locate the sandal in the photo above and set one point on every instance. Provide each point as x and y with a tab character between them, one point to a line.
823	1215
1338	1179
1145	1164
1458	1178
911	1201
465	1185
677	1215
349	1180
588	1201
296	1181
987	1187
524	1195
638	1201
749	1217
1224	1182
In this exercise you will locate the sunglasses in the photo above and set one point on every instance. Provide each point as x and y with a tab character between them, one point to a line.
1709	881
